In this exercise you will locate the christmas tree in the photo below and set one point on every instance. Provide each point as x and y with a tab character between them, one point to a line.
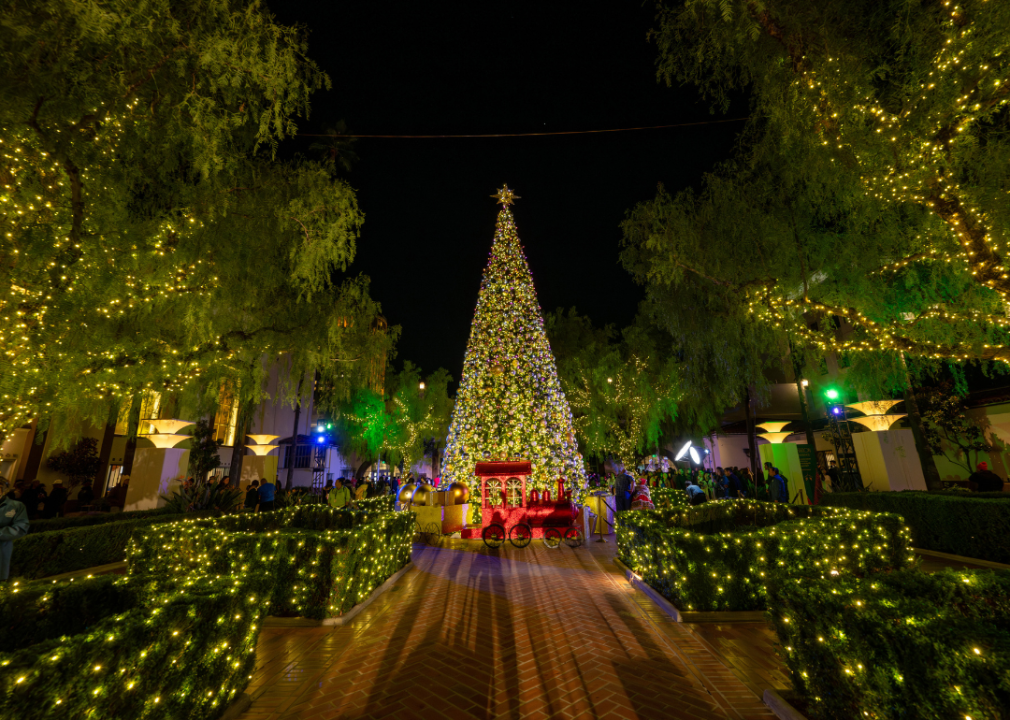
510	405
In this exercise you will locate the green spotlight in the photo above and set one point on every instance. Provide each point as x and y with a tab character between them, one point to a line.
831	394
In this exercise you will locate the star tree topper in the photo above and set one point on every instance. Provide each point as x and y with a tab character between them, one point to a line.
506	196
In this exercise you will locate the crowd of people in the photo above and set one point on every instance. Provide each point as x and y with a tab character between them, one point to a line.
42	503
702	484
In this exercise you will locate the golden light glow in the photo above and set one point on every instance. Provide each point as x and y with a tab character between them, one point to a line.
874	407
169	427
772	427
263	449
877	423
163	441
262	439
776	437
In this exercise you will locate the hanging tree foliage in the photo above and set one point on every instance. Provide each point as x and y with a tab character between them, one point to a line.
149	237
871	185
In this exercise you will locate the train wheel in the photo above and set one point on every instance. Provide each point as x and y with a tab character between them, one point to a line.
434	533
419	534
520	535
494	535
574	538
552	537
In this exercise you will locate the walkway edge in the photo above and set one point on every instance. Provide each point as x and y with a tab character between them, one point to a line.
273	622
96	570
963	559
781	707
687	617
239	706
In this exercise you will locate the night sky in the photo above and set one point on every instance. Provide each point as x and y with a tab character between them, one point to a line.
444	68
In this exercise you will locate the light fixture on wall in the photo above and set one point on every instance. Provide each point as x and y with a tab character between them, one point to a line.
772	427
169	426
262	439
163	441
262	450
775	438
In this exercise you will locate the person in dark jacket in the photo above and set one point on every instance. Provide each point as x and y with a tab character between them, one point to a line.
622	488
252	495
985	479
54	503
13	524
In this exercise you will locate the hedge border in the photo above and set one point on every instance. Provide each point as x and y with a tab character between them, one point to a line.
719	570
968	526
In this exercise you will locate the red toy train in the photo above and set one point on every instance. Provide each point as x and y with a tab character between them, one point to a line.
509	512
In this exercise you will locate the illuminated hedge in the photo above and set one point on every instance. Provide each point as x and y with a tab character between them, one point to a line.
971	524
669	498
899	645
720	555
109	648
324	561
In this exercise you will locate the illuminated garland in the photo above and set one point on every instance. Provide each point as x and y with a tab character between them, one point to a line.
729	570
324	561
184	651
510	404
878	647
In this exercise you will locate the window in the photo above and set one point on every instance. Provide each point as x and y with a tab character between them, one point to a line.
514	492
113	478
494	492
226	419
302	456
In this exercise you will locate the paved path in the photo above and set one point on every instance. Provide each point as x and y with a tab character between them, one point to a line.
533	633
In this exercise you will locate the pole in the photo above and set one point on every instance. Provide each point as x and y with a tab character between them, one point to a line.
929	471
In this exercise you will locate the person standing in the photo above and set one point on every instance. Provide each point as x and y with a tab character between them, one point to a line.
985	479
340	496
361	491
252	495
54	503
13	524
266	495
622	488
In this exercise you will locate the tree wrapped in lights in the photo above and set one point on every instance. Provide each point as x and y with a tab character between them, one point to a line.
510	404
621	393
149	239
872	185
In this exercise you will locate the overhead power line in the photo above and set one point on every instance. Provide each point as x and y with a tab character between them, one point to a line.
527	134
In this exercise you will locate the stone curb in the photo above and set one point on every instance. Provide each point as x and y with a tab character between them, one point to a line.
682	616
962	558
275	622
781	707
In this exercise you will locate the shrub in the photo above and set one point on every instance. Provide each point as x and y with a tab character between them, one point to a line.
669	498
719	556
66	523
323	561
899	645
946	522
162	649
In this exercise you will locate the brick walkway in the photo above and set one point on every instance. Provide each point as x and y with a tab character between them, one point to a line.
533	633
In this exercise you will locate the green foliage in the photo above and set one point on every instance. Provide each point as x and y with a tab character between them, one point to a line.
80	464
721	555
669	498
950	430
203	457
76	521
867	189
323	561
139	185
621	393
159	648
899	645
204	495
41	554
420	418
968	525
364	423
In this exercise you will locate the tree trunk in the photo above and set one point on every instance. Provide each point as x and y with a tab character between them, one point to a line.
751	437
929	471
98	482
294	438
238	450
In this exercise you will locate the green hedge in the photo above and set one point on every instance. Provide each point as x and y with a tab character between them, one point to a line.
946	522
899	645
69	523
720	555
182	650
669	498
324	561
